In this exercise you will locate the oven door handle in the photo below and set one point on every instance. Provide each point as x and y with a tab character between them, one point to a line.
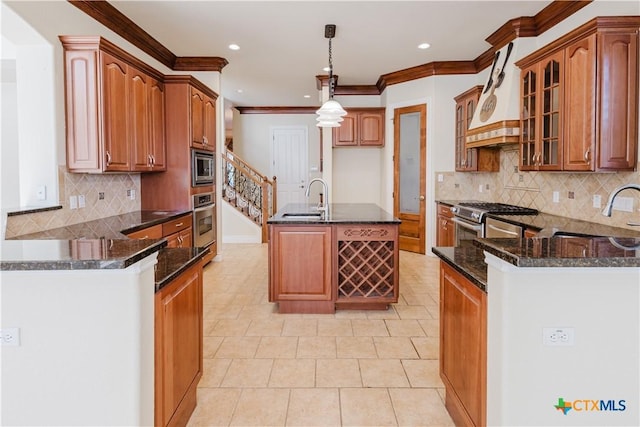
204	208
502	230
468	225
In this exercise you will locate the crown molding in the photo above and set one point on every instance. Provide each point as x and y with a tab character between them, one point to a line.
277	110
526	26
106	14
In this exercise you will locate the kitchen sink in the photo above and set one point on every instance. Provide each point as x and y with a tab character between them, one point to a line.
570	235
302	215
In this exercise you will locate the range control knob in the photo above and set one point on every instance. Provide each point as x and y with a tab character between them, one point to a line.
475	215
454	209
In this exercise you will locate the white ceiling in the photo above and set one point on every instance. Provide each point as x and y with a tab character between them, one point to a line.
282	44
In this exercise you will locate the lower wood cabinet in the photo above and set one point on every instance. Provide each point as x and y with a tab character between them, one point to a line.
445	227
300	268
463	347
178	232
178	347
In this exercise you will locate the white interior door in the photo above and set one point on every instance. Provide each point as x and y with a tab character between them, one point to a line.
290	163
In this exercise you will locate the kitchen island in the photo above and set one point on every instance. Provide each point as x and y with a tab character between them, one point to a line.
555	330
347	257
94	312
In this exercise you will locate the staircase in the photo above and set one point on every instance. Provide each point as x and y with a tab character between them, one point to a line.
250	192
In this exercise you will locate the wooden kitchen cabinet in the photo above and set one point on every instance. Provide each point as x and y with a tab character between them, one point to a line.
463	347
178	232
203	120
579	99
471	159
306	284
445	227
178	347
361	127
114	111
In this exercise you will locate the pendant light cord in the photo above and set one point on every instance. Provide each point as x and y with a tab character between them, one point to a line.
331	82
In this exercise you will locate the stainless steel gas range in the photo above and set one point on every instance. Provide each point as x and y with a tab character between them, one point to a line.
470	217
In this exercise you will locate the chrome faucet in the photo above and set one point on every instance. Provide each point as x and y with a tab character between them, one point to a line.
609	205
321	206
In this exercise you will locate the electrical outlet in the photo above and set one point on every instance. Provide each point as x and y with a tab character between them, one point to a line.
81	201
10	336
556	197
132	194
101	196
73	202
480	188
597	201
558	336
571	195
440	177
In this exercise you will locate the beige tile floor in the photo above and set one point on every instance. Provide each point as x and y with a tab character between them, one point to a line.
351	368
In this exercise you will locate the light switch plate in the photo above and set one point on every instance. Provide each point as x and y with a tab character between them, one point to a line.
73	202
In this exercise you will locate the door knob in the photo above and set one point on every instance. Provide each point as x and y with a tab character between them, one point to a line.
421	198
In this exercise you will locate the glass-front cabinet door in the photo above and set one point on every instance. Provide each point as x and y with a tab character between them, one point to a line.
541	115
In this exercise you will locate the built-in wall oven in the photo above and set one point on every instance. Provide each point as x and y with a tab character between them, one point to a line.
470	218
204	224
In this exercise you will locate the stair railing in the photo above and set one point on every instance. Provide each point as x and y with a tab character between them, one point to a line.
249	191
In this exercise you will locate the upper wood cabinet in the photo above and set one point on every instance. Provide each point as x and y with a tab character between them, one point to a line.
362	127
114	109
471	159
579	99
203	120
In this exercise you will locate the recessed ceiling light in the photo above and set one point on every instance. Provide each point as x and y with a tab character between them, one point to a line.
234	46
326	69
239	91
424	46
307	96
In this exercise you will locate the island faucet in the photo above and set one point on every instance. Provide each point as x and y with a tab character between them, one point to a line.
321	206
609	206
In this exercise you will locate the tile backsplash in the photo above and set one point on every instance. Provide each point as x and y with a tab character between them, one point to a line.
114	189
576	191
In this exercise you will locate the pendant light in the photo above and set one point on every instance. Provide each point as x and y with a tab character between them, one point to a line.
331	112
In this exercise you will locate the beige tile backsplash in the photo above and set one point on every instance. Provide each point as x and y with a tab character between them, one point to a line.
115	202
535	189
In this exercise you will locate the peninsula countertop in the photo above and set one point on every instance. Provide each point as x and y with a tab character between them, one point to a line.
345	213
99	244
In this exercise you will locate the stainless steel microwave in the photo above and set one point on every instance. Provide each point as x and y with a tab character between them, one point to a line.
202	168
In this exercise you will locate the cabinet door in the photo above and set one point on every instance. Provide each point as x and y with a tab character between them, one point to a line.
81	95
178	344
301	260
209	126
181	239
371	128
580	105
550	112
529	121
618	94
197	117
157	139
116	114
346	134
139	120
463	344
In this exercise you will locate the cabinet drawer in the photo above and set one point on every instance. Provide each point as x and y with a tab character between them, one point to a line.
176	225
445	210
154	232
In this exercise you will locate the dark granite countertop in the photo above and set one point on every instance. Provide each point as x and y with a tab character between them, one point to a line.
565	251
467	259
172	262
75	254
99	244
548	225
346	213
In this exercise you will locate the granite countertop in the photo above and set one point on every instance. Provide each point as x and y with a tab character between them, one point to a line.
99	244
346	213
467	259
